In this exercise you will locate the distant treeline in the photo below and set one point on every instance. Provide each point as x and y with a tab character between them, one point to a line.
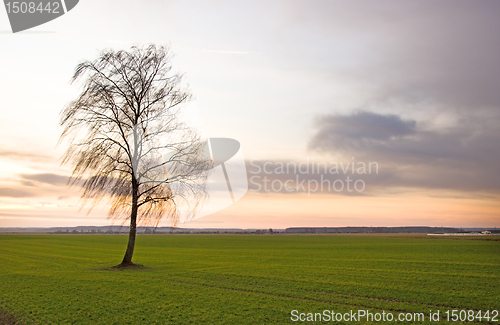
381	230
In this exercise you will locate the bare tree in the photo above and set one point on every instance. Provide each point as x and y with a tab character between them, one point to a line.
127	140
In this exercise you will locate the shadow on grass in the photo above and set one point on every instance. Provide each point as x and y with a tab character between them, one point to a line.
122	267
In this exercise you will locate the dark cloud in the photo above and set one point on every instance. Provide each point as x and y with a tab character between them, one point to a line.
464	157
360	129
46	178
27	183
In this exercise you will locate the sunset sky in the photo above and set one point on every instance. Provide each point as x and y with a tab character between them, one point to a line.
413	86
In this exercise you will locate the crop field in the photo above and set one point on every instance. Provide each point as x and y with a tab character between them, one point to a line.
245	279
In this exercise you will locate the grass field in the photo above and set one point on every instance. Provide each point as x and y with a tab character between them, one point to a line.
242	279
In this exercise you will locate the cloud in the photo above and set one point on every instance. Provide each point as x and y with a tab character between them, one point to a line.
27	183
359	129
463	157
14	193
19	155
36	185
45	178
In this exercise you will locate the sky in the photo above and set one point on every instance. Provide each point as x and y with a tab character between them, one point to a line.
410	88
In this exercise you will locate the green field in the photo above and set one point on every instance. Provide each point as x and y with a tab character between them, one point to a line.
242	279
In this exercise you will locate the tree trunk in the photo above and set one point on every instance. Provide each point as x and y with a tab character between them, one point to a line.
127	259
